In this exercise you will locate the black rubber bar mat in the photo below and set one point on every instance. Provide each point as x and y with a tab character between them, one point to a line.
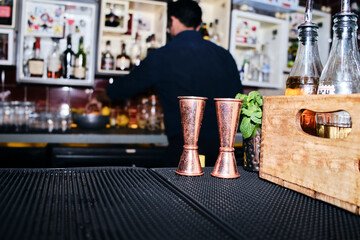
259	209
100	203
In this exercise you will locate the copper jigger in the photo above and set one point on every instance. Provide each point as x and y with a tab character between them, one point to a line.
191	110
228	113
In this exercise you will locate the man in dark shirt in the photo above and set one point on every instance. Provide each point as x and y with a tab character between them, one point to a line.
186	66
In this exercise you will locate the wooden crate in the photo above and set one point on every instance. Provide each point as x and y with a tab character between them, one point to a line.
325	169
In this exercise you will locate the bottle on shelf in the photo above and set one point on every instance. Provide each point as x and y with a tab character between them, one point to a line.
123	62
68	60
254	66
36	63
136	51
341	73
107	59
304	75
80	61
112	20
54	61
265	65
214	34
204	31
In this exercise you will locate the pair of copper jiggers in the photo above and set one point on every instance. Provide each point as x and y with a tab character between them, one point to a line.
228	113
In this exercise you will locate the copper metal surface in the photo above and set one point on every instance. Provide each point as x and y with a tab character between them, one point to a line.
228	114
191	110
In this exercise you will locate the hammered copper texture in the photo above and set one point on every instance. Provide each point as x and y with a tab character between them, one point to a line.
191	110
252	152
228	114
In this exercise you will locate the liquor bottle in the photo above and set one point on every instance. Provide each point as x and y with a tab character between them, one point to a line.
36	63
136	51
107	59
68	60
304	75
80	61
341	73
214	34
265	65
54	61
204	31
111	20
123	62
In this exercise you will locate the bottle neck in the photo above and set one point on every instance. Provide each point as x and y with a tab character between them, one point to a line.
345	33
307	62
123	51
81	46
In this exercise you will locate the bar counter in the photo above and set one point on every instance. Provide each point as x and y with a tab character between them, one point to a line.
109	136
140	203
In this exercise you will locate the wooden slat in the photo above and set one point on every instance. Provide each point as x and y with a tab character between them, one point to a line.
329	167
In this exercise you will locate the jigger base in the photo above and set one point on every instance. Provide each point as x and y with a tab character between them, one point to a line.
189	164
225	166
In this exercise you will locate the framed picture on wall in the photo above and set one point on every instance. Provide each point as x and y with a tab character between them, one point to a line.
7	14
7	47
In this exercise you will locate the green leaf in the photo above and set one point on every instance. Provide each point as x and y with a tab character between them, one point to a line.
253	94
246	128
246	112
241	96
255	119
259	101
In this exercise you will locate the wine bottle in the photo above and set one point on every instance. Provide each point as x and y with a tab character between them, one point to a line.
36	63
68	60
80	61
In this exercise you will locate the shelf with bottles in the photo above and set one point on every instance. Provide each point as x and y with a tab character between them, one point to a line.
216	15
145	30
322	19
257	45
116	16
55	44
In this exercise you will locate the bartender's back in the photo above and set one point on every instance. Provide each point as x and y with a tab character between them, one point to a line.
187	66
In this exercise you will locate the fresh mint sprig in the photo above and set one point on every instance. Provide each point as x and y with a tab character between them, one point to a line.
251	113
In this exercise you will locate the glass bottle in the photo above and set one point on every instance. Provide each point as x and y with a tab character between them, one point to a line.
36	63
265	65
341	73
68	60
107	59
136	51
54	61
111	20
123	62
80	61
214	34
304	75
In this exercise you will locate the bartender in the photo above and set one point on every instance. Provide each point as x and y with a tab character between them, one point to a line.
188	65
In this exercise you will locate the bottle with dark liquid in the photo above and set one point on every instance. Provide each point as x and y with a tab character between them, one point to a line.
304	76
36	64
68	60
123	61
341	73
111	20
107	59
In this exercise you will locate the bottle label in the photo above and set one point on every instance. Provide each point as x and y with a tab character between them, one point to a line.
54	64
108	64
36	67
79	72
326	89
123	63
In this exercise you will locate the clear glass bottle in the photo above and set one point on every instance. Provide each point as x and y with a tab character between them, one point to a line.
136	51
265	65
107	59
54	61
304	75
341	73
80	61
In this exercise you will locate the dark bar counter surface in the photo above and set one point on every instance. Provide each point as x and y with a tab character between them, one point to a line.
141	203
